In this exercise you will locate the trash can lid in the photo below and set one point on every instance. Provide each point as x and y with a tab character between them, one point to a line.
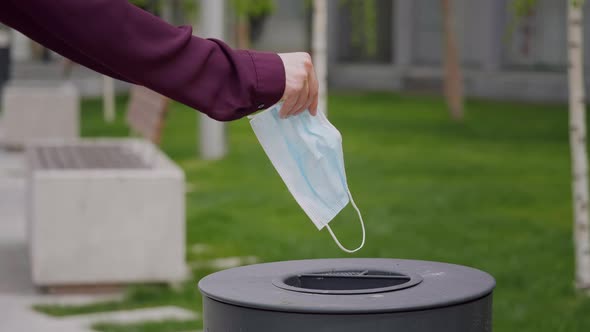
350	286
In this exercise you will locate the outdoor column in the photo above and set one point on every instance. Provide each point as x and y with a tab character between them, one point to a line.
403	13
212	139
20	46
492	16
108	98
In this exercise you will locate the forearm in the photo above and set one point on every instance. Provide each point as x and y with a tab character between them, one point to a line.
133	44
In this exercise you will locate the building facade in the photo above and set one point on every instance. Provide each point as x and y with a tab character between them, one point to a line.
502	57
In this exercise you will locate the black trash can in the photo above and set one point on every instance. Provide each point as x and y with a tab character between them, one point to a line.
368	295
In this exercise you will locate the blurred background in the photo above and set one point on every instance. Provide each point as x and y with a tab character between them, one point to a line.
506	52
456	134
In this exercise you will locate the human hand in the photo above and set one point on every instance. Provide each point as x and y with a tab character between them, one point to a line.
301	85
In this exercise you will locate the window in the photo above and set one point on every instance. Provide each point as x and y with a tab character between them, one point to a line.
364	31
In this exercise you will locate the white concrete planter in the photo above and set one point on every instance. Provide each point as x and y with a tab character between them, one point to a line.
33	110
104	211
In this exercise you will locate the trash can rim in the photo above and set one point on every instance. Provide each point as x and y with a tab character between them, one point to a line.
443	285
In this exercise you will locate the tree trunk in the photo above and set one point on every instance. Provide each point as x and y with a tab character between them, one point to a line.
577	109
168	11
453	77
319	50
243	31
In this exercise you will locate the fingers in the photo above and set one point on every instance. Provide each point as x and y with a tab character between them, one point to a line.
301	104
313	108
288	105
301	86
311	103
314	93
307	96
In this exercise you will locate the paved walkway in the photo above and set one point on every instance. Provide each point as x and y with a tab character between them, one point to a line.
17	293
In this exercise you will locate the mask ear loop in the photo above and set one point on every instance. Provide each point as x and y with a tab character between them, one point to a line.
362	226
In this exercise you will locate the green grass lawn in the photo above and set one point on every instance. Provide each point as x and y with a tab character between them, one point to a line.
492	193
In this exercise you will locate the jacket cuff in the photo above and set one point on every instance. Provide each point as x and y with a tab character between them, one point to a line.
270	78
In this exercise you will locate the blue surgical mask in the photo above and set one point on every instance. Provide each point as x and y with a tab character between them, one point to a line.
307	153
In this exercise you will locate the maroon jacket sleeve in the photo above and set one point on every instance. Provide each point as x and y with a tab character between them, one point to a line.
120	40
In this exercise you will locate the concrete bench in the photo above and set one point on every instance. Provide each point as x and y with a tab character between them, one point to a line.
34	110
107	211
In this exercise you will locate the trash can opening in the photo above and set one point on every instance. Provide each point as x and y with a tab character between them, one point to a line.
348	281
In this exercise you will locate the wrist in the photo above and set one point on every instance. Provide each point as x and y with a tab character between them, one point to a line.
270	78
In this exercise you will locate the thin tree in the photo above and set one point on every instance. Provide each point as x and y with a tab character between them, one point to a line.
246	10
577	128
319	50
453	76
577	122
